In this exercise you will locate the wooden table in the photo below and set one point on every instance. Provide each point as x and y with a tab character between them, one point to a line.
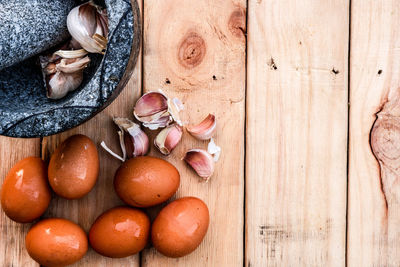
296	88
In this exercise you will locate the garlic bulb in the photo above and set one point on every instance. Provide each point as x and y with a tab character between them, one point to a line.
63	75
88	25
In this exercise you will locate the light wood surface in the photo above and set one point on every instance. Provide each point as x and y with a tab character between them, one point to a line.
195	50
296	133
296	177
373	189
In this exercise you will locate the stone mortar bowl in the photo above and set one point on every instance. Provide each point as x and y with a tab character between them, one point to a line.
25	111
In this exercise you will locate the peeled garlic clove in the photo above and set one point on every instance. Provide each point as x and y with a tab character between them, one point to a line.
205	129
168	139
59	84
88	25
201	161
134	142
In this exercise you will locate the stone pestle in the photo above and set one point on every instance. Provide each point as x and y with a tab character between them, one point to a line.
29	27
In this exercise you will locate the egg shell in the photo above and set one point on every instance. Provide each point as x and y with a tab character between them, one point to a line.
25	194
120	232
180	227
56	242
146	181
74	167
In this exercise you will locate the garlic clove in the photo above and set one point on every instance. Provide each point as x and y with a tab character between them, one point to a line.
59	84
71	53
168	139
86	23
201	161
134	142
149	105
205	129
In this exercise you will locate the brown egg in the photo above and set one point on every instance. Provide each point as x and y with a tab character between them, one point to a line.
25	194
56	242
120	232
146	181
74	167
180	227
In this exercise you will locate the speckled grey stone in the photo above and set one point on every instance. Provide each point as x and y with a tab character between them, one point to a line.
29	27
26	112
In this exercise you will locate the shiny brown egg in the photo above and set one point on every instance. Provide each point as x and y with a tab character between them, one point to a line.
146	181
180	227
74	167
120	232
56	242
25	194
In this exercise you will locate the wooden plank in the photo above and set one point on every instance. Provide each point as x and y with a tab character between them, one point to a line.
100	128
296	150
12	235
195	50
373	194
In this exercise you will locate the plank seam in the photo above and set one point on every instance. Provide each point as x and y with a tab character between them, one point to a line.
348	134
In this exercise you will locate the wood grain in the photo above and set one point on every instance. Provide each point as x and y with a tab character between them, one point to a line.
195	50
373	208
296	133
12	235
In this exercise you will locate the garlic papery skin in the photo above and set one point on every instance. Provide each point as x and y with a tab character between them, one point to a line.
214	150
205	129
88	25
168	139
71	53
134	142
72	65
201	161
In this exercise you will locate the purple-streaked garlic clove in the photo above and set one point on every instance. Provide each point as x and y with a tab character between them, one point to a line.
152	110
201	161
205	130
155	110
134	142
168	139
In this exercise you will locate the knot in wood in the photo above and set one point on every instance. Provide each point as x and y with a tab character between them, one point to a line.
237	22
385	140
192	50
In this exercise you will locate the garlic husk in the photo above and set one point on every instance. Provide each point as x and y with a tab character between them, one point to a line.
71	53
214	150
168	139
205	129
88	25
155	110
133	141
201	161
72	65
115	155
